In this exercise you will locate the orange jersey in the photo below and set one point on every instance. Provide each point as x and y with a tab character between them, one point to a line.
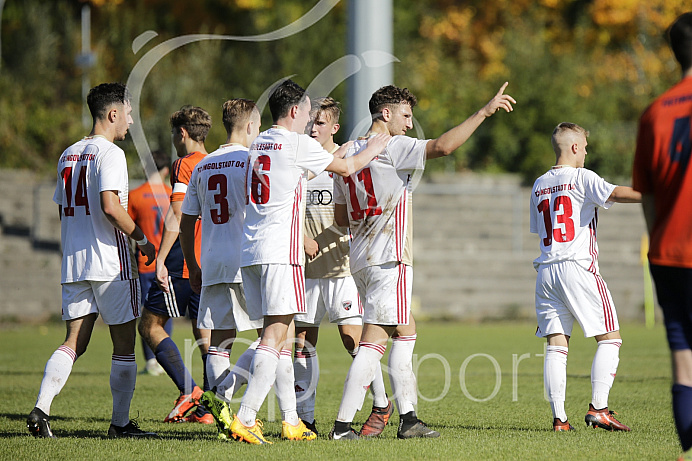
147	206
180	178
662	168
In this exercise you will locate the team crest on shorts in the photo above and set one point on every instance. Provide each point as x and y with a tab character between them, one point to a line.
346	305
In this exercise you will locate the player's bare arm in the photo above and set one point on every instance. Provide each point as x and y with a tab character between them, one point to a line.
341	214
452	139
118	217
350	165
625	194
649	207
171	229
187	244
311	247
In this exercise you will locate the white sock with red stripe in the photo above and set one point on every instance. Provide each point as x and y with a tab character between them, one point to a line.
555	379
402	379
377	389
58	369
360	375
239	374
262	377
603	370
285	388
307	374
123	377
218	364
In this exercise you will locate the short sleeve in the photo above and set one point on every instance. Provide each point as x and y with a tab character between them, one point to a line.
407	153
180	179
311	155
533	215
191	202
596	189
111	168
57	195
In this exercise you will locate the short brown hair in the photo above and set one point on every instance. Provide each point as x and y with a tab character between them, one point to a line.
328	106
389	96
237	112
561	129
195	120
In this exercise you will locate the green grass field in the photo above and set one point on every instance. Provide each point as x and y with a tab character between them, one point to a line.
482	388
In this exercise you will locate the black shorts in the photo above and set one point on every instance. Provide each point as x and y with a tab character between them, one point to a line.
674	292
178	302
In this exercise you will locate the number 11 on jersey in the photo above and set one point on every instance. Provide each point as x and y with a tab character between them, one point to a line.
365	177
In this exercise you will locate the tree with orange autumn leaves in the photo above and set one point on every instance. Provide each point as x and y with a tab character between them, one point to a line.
594	62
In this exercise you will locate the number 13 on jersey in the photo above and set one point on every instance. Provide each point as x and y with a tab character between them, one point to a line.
562	207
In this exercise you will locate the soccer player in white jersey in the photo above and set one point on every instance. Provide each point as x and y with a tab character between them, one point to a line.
329	287
272	253
376	204
99	273
564	204
216	192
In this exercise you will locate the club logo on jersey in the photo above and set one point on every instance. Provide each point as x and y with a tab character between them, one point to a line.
319	197
346	305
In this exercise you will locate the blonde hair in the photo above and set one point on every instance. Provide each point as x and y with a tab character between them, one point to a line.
236	112
328	106
565	128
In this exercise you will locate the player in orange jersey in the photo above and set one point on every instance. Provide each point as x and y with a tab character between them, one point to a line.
661	173
172	295
147	206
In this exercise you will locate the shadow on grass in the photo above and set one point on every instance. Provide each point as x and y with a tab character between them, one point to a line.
468	427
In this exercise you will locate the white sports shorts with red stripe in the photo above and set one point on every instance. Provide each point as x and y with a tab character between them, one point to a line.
116	301
222	307
566	291
385	292
273	289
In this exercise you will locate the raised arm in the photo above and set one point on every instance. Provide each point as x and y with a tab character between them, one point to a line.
625	194
350	165
118	217
452	139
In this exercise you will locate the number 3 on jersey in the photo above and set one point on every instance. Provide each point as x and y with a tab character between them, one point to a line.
562	206
80	195
365	177
219	183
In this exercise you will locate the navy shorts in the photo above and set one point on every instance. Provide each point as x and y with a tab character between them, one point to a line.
674	292
146	280
178	302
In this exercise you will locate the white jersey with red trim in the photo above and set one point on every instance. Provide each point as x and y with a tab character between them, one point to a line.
92	248
564	213
379	199
216	192
276	189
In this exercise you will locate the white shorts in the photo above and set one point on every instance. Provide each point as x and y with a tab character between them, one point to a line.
273	289
116	301
222	307
338	296
385	292
565	291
